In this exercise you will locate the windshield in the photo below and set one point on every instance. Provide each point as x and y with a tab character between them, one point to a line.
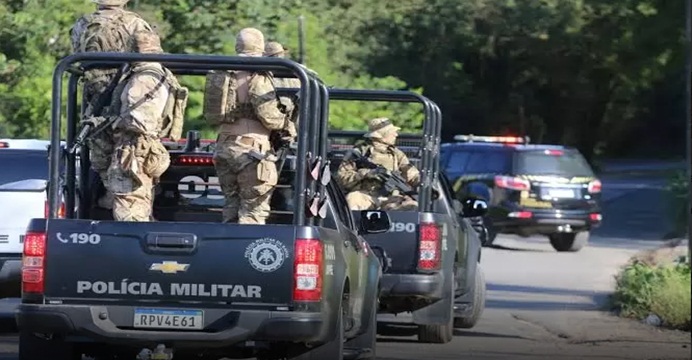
567	163
23	165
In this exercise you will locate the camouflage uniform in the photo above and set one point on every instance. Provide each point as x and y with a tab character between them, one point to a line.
95	80
139	156
365	192
275	49
247	182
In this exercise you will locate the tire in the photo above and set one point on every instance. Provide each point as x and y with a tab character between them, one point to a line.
368	339
439	334
35	348
479	295
569	242
333	349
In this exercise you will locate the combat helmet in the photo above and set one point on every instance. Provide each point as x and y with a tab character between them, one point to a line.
378	127
249	42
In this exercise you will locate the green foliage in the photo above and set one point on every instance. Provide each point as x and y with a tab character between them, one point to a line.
590	73
663	290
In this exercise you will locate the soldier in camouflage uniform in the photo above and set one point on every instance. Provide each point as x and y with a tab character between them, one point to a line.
109	28
275	49
247	173
365	189
139	156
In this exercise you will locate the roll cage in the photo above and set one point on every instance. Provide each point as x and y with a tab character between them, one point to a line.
422	148
313	110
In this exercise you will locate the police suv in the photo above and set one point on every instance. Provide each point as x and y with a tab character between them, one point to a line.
531	189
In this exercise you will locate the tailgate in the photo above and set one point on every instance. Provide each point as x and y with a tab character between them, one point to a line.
130	262
400	242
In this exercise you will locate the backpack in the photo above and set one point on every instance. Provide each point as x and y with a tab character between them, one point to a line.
106	33
172	119
174	112
220	97
103	32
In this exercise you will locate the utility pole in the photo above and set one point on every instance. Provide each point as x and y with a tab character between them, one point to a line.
301	39
688	118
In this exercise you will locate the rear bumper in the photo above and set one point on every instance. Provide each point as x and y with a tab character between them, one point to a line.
548	221
222	328
412	285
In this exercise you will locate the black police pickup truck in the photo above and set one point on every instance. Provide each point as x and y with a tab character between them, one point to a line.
303	286
435	255
532	189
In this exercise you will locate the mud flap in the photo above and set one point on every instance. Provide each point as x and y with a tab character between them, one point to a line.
441	312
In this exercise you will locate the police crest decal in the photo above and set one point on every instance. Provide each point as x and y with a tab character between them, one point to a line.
266	254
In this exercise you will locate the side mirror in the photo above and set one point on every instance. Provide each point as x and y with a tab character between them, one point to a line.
472	207
374	222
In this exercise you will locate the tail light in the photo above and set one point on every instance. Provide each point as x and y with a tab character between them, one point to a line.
429	248
192	160
595	217
514	183
594	187
61	210
33	261
307	270
521	215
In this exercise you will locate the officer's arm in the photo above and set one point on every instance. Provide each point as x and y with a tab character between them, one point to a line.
407	170
76	33
138	24
262	95
146	115
349	175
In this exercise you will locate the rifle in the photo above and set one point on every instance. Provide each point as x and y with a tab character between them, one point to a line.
392	179
92	117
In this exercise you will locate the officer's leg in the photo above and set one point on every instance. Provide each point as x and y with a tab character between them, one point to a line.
256	181
399	203
134	205
359	200
228	180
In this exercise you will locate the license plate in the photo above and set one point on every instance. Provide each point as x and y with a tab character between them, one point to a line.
169	319
561	193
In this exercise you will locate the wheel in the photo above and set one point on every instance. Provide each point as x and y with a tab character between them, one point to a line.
368	339
439	334
333	349
35	348
569	242
479	292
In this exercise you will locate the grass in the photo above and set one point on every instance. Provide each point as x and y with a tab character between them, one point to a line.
664	290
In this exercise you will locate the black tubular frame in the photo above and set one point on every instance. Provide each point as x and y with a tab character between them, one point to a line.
432	127
312	111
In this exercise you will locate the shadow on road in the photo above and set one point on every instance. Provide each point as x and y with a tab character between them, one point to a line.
597	298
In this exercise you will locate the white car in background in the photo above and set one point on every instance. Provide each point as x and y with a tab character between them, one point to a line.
23	181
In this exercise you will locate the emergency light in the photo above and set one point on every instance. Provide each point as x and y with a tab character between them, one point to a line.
493	139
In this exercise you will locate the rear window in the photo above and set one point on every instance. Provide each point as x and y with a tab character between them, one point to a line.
546	162
479	162
23	165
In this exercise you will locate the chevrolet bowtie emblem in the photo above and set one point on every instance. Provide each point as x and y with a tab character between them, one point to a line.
169	267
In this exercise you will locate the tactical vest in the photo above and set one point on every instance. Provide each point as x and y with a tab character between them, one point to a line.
221	104
170	123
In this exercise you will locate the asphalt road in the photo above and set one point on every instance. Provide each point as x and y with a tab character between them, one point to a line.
547	305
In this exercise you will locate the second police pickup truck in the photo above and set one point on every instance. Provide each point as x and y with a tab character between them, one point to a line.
435	253
304	286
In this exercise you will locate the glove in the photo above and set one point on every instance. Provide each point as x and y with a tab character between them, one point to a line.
378	173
